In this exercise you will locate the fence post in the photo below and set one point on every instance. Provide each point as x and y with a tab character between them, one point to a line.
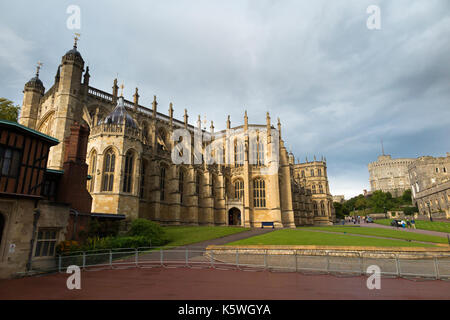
161	257
237	258
328	263
187	257
84	259
436	268
361	263
265	259
59	263
212	259
110	258
136	257
296	263
397	264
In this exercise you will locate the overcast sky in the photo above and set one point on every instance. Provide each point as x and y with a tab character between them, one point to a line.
337	86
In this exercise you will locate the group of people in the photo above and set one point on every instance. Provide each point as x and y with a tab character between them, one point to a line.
407	224
354	219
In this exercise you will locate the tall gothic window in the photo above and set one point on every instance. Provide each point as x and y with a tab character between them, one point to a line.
238	189
261	154
314	189
108	171
257	151
92	169
319	172
322	208
312	172
259	193
181	185
162	183
316	209
238	153
128	172
142	182
320	188
303	173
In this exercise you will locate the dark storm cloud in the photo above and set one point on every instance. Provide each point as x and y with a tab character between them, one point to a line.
337	86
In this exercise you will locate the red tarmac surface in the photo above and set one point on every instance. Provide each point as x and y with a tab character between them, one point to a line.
206	284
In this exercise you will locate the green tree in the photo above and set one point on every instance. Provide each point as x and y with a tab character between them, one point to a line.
406	197
8	111
361	203
379	201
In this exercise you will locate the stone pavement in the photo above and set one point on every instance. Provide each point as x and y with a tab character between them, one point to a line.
429	232
205	284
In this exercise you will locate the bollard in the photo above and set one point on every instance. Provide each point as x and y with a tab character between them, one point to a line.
136	258
84	259
187	257
161	256
237	259
110	258
59	263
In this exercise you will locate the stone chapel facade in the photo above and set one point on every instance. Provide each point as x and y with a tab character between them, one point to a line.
132	172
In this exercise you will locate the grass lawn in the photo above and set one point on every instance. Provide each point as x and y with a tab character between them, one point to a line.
379	232
304	237
424	225
180	236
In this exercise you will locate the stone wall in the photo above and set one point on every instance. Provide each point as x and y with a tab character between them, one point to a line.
18	231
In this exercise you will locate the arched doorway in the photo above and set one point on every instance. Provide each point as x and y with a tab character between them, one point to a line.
234	217
2	226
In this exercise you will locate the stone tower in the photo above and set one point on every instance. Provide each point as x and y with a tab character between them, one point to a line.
32	94
68	102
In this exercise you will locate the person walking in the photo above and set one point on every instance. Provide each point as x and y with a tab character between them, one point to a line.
413	223
408	223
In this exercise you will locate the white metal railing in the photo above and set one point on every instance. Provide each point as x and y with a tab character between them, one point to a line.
281	260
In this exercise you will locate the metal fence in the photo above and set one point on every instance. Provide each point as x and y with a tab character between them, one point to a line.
279	260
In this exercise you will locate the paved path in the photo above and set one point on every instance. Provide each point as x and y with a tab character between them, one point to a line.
196	250
205	284
429	232
231	238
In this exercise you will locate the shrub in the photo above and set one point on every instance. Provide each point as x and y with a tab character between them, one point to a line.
67	246
148	229
410	210
129	242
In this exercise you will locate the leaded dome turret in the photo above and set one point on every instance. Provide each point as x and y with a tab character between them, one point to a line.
120	116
